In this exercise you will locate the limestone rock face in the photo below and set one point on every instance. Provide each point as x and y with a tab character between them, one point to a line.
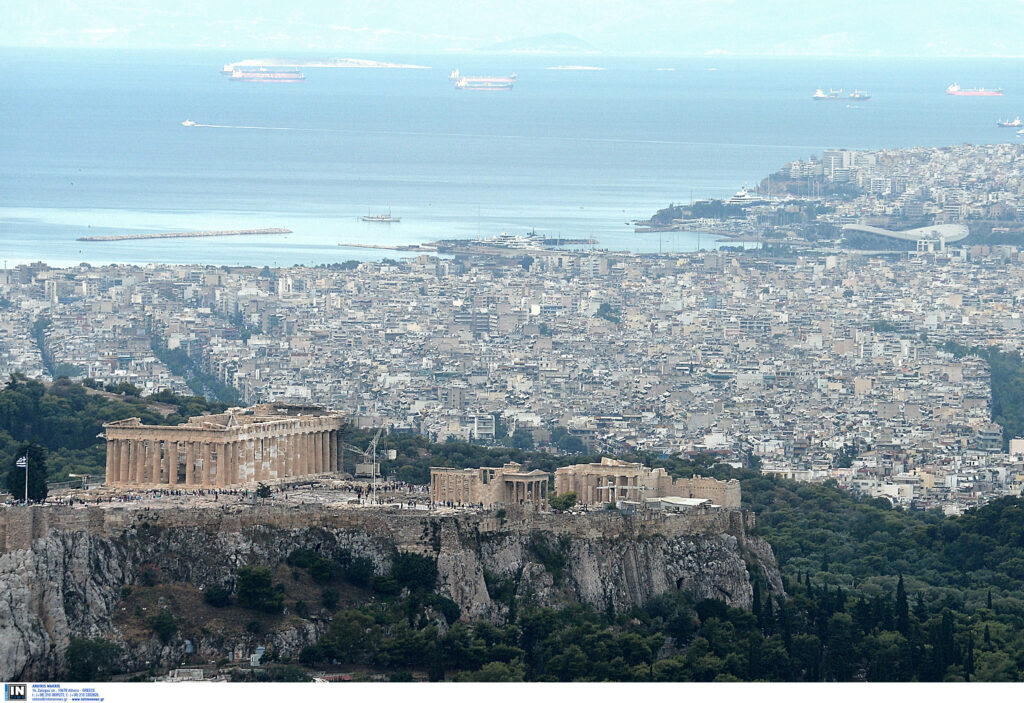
68	580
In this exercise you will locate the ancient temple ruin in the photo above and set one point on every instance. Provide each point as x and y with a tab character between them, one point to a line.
239	447
506	485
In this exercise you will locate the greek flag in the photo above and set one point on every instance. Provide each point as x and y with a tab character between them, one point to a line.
22	462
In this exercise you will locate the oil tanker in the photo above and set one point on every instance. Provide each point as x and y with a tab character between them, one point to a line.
262	75
482	82
955	89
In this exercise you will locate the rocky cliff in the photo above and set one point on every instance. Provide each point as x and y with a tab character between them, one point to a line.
64	572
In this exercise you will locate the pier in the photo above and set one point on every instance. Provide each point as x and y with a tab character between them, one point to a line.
179	235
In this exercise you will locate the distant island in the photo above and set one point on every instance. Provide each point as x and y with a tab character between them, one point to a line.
542	44
324	63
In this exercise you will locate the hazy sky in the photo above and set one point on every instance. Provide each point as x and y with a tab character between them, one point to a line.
684	27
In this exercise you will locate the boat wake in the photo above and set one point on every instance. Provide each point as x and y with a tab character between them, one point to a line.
189	123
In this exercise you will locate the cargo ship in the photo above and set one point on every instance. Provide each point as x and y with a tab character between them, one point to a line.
262	75
833	94
482	82
955	89
1016	122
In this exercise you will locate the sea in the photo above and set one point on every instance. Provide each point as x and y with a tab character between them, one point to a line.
92	143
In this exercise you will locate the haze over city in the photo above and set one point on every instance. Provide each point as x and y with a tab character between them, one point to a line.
643	27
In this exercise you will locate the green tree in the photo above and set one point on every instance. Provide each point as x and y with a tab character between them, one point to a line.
562	501
902	609
14	482
217	596
522	438
163	625
256	590
263	491
91	659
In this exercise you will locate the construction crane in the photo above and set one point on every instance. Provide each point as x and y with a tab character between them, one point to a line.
371	455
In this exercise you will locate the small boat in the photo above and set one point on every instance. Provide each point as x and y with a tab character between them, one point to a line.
380	218
188	123
1016	122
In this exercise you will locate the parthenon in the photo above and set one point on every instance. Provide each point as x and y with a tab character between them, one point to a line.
238	447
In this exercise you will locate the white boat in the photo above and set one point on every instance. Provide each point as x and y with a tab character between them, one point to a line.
188	123
380	218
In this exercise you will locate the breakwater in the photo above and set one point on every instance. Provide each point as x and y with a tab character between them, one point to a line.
178	235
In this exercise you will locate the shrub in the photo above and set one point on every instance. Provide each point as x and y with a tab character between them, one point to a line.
360	572
414	571
257	591
217	596
329	597
91	660
562	501
163	625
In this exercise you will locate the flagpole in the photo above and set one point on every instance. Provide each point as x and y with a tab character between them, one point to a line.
26	478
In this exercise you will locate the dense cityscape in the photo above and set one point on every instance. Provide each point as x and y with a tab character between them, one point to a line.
861	367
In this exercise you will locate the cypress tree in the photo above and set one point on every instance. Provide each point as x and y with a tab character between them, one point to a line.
756	604
989	600
902	610
969	666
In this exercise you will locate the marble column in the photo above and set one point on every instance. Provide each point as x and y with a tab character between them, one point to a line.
111	462
287	447
138	460
204	476
224	460
190	463
172	462
165	463
317	464
123	464
333	448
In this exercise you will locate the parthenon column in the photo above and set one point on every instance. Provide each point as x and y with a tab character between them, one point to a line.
152	462
204	476
332	442
123	464
139	462
112	455
224	460
165	463
190	463
291	455
317	463
171	450
273	445
325	450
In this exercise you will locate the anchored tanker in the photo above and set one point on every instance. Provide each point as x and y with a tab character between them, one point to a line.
955	89
482	82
